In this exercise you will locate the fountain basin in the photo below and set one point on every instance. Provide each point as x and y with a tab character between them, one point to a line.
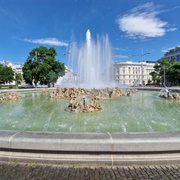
143	111
111	148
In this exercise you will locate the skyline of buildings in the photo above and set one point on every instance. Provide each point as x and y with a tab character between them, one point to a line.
125	72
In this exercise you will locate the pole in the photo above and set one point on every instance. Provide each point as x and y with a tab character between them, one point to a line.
164	77
68	57
36	53
142	58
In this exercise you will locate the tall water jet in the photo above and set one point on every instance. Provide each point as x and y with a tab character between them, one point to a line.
93	61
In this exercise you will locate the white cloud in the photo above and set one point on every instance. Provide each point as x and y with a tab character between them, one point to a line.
142	22
47	41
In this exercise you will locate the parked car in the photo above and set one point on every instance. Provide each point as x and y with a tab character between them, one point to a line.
27	86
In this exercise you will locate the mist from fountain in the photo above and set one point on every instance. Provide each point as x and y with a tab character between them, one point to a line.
94	63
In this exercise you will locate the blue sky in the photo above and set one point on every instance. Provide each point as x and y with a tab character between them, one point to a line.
130	24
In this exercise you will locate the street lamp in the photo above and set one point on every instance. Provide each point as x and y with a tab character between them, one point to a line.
68	54
142	59
164	76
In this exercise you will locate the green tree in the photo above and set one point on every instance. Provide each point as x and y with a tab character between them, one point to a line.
174	73
155	77
6	74
41	66
167	70
18	78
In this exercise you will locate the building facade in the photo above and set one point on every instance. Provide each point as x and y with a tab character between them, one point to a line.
17	68
133	73
173	53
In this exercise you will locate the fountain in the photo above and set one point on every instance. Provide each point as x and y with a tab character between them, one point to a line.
95	70
94	63
135	124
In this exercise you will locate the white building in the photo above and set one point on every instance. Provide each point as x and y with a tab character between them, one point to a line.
173	53
17	68
133	73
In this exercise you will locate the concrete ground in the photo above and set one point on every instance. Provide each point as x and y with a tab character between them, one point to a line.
33	171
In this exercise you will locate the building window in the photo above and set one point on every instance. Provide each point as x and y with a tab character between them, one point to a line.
129	70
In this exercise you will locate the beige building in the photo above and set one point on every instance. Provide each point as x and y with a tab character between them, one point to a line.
133	73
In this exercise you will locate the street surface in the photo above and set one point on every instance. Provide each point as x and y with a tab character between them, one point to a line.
33	171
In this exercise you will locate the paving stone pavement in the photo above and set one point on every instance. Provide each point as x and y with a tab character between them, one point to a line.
34	171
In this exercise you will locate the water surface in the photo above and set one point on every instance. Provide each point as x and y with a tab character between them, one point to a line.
140	112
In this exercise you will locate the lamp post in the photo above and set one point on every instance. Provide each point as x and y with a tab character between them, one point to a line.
142	59
164	76
68	54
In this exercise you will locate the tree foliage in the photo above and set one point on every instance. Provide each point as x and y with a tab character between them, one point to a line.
174	73
168	70
6	74
41	66
18	78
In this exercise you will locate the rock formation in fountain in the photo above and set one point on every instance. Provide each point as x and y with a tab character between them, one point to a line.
84	104
168	95
91	104
10	96
69	93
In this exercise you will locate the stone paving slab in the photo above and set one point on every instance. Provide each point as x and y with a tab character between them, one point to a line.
32	171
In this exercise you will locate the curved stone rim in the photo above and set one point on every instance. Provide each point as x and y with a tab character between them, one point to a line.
124	149
91	142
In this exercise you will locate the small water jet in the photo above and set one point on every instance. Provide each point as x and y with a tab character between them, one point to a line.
165	93
168	95
84	103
